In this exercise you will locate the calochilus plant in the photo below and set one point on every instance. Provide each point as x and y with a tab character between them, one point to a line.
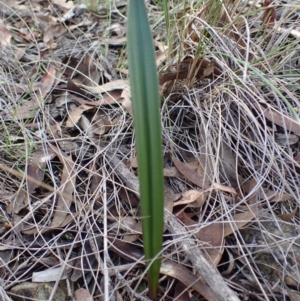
147	125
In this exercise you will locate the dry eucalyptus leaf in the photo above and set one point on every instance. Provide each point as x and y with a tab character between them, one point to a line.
276	197
191	175
181	292
238	221
287	216
211	236
67	186
227	165
117	84
288	123
46	83
20	201
76	114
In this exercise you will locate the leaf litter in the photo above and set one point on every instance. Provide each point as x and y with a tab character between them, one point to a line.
231	147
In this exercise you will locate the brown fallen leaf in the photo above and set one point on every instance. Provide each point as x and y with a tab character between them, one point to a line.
100	123
117	84
276	197
46	84
87	72
225	188
238	221
181	292
287	216
191	175
82	294
67	186
191	198
211	237
227	165
19	202
51	32
75	115
278	118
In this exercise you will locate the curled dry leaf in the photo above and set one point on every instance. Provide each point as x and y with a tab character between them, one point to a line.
101	124
224	188
76	114
126	103
36	168
191	198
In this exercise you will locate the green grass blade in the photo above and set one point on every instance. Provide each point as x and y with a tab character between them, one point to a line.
145	101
